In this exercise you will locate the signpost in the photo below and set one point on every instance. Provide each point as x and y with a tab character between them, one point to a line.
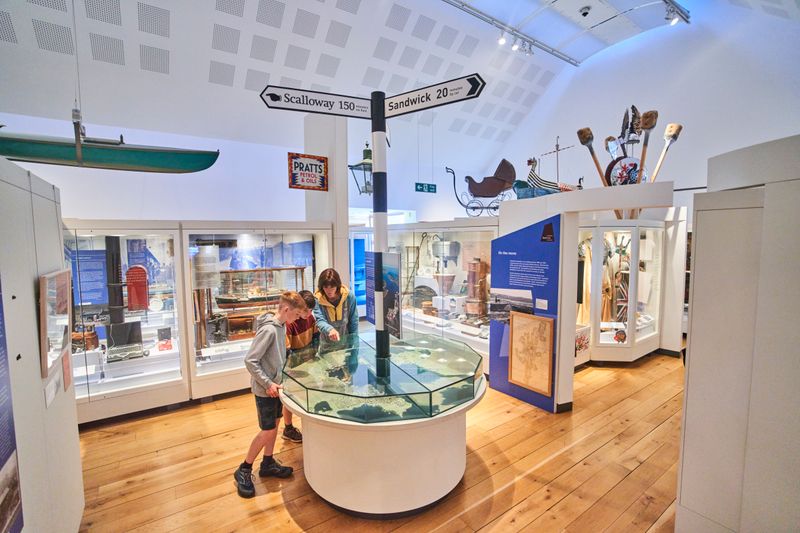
378	109
277	97
425	187
448	92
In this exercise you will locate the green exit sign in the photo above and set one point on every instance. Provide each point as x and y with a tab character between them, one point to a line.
425	187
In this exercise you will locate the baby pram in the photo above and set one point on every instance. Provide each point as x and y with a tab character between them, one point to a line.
497	187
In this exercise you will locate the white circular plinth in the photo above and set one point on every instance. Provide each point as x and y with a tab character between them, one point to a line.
385	468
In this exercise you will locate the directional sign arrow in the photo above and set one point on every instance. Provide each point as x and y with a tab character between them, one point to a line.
277	97
444	93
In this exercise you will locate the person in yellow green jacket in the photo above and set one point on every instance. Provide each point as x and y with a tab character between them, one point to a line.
336	311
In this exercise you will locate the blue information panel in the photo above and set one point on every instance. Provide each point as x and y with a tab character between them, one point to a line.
11	504
89	279
369	271
525	280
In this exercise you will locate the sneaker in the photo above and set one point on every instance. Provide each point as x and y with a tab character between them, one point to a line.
274	469
293	434
244	482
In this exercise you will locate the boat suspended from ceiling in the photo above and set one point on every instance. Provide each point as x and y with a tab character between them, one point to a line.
112	154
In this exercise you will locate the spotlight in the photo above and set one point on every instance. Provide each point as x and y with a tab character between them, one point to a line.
671	15
502	39
515	46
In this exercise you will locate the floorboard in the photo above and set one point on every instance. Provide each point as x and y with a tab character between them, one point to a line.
610	464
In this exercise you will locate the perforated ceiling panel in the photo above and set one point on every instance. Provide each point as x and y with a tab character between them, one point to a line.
107	11
225	39
263	48
270	12
107	49
53	37
785	9
59	5
305	23
221	73
351	6
256	80
153	59
7	32
338	34
153	19
231	7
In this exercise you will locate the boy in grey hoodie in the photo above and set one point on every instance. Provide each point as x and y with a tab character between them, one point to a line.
264	361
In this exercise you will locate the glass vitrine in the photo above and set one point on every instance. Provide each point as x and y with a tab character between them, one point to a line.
234	278
125	325
427	375
621	298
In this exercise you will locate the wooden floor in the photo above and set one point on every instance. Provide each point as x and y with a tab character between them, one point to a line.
610	464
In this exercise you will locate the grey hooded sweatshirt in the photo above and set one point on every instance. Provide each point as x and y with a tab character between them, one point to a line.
267	354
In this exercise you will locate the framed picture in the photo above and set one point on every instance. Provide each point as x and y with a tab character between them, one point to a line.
55	314
309	172
530	352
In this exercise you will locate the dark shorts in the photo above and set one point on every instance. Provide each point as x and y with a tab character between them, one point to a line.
269	410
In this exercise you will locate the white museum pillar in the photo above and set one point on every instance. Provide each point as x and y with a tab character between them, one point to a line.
327	136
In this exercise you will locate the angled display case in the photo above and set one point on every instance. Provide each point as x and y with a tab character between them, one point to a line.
620	278
236	272
427	376
126	321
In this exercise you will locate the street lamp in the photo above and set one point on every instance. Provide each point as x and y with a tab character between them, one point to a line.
363	170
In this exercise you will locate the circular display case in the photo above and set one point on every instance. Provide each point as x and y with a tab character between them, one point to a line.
425	376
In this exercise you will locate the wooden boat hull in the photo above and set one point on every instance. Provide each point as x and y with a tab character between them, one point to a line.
107	155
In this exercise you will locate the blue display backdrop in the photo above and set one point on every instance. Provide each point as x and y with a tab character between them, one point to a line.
524	278
369	271
11	503
391	295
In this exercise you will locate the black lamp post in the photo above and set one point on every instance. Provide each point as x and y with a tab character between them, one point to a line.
363	171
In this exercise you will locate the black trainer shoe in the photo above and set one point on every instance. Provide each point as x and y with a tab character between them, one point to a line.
293	434
244	482
274	469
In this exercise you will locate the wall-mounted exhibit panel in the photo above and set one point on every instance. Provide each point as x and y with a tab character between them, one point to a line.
234	274
126	325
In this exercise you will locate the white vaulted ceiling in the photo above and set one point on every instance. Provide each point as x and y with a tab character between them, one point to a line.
196	67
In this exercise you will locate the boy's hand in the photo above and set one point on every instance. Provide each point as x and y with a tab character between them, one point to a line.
334	335
273	390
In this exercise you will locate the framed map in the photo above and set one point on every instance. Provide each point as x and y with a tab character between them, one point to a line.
530	352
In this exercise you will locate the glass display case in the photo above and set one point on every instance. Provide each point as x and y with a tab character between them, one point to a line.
620	278
234	278
445	278
125	321
428	375
360	243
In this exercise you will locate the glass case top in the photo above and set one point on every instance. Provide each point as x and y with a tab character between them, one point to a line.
426	376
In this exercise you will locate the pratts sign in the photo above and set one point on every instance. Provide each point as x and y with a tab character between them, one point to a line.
308	172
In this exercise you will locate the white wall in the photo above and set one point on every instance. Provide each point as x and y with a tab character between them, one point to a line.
248	181
47	436
731	77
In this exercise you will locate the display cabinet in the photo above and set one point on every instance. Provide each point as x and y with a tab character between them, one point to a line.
126	320
428	375
236	272
445	277
620	279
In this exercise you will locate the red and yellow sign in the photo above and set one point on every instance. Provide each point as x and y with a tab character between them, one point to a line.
309	172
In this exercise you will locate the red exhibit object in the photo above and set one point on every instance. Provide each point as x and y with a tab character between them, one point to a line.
136	279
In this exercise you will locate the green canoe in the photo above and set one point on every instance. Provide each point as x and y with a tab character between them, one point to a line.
101	153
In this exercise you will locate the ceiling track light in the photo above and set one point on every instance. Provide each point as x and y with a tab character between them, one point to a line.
502	39
515	46
675	12
510	30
